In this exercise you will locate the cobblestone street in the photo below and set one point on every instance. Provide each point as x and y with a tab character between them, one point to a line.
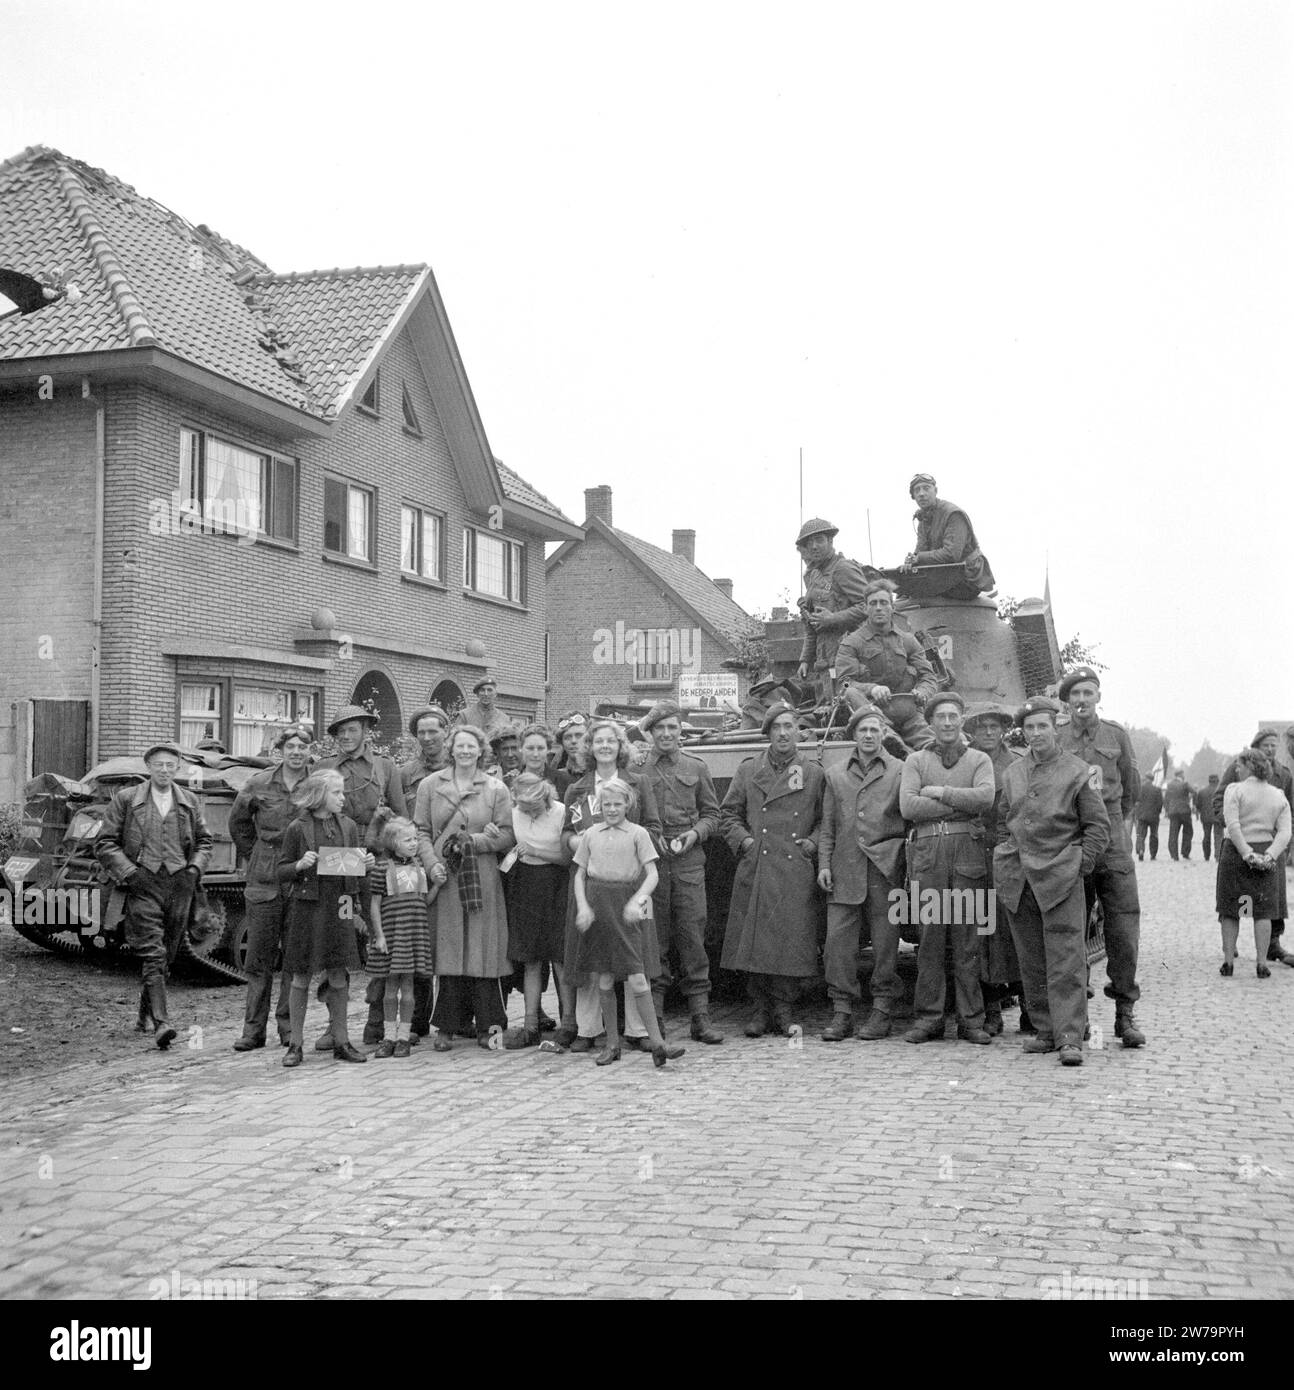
776	1168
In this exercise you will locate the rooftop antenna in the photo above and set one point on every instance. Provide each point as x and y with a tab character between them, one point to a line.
871	559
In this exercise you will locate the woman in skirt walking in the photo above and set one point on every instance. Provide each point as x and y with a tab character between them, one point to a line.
1257	819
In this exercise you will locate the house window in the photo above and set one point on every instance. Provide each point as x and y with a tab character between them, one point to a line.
259	712
200	711
653	656
411	422
371	400
493	565
236	491
422	543
348	520
246	718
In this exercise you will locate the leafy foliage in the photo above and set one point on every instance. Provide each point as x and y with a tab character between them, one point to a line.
1075	652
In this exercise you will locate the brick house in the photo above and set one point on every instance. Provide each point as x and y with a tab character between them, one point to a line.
633	617
235	497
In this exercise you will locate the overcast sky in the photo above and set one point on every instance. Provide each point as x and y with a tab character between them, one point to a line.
1040	250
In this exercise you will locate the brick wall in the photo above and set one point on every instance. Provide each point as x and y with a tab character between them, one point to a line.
595	587
214	588
47	528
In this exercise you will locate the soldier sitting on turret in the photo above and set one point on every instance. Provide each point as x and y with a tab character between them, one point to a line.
880	666
945	537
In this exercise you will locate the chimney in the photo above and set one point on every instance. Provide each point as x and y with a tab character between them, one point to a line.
597	503
724	586
685	545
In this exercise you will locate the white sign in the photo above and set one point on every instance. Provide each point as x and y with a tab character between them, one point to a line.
708	692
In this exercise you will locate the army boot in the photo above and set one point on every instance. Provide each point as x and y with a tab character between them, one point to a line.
702	1029
840	1027
1125	1026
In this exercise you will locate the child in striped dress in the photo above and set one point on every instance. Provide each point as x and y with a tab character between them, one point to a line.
401	931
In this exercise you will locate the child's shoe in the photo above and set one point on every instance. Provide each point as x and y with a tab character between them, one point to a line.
400	1049
387	1048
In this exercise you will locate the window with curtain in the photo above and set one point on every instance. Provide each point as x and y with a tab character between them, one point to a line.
348	520
237	491
494	565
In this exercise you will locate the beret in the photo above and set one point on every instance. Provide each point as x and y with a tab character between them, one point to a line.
662	709
1072	678
773	712
942	697
482	683
864	712
1036	704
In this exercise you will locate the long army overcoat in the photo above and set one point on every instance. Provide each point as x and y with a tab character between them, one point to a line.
773	923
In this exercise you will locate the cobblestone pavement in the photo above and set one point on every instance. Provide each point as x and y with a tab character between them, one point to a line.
778	1168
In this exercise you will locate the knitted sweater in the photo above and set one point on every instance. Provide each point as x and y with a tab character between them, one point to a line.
1256	811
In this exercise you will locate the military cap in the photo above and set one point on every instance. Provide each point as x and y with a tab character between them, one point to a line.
349	712
662	709
483	682
1263	734
167	747
768	683
816	526
978	712
942	697
773	712
861	713
1072	678
922	478
503	731
422	713
1036	704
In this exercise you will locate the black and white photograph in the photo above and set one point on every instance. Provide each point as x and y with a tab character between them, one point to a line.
704	592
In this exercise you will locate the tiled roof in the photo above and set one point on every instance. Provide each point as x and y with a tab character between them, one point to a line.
149	278
720	613
516	489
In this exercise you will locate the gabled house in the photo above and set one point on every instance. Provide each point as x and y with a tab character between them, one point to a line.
628	620
234	497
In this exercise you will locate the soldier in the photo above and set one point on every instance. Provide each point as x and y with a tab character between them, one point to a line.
428	725
945	537
1056	828
1179	798
771	817
832	604
485	714
504	761
257	820
154	842
689	812
1150	806
888	668
1106	749
1210	829
860	859
944	791
372	783
999	968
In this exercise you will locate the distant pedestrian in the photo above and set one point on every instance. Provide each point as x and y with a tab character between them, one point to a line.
1211	827
324	908
614	879
1150	806
399	895
1179	803
1257	818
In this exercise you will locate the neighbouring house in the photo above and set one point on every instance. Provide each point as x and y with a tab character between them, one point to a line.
630	623
235	498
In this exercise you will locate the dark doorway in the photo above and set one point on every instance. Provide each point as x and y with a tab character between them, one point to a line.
60	737
374	691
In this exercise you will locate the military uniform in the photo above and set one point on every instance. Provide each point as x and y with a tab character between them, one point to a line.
945	536
488	721
1056	829
686	800
1105	748
1150	806
1210	827
371	781
412	773
998	963
835	588
260	814
867	658
1179	801
947	852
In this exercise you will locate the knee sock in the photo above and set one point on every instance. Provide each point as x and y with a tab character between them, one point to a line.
390	1005
338	998
648	1015
297	995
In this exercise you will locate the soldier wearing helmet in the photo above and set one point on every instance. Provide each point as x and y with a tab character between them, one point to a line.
833	602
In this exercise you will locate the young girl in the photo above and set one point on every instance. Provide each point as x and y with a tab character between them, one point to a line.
398	895
537	889
613	886
322	910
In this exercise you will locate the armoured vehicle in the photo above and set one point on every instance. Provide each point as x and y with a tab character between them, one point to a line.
61	899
